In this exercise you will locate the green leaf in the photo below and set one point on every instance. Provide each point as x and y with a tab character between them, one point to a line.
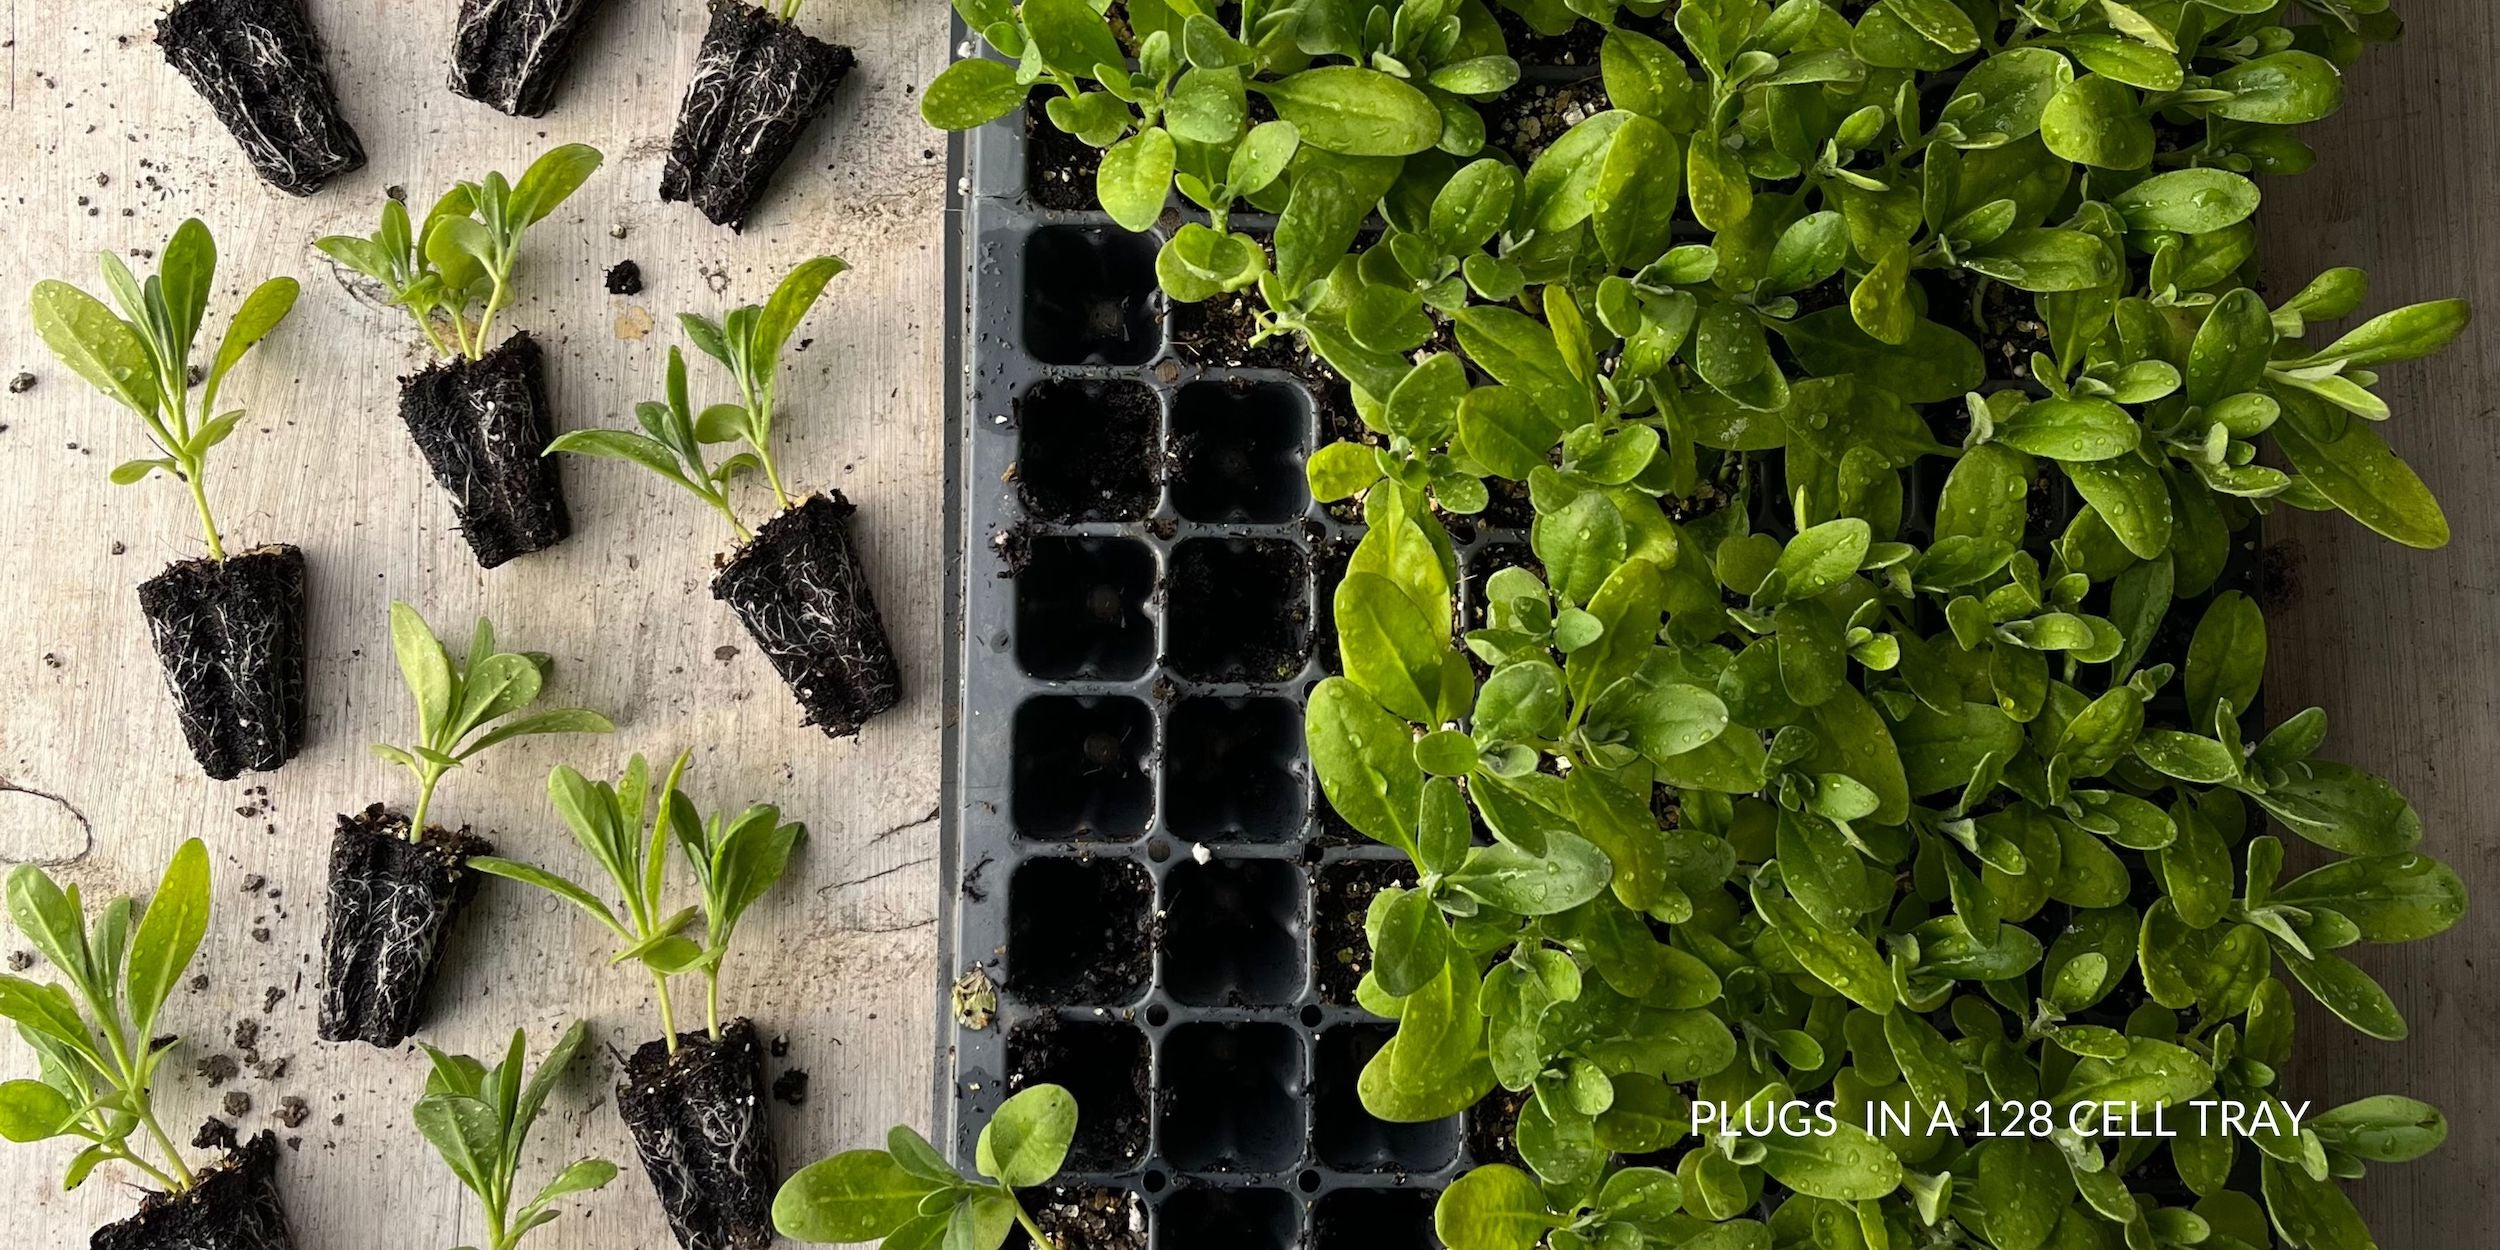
1027	1139
2099	122
49	919
168	935
1847	1165
1353	111
570	720
1638	192
2389	898
2384	1128
1072	37
1410	942
2343	809
858	1195
2354	469
2408	333
2287	88
529	875
550	181
185	273
1136	178
31	1111
2153	1074
791	299
2190	201
971	92
467	1134
2350	993
98	346
1365	759
2227	657
1494	1207
1816	561
2131	498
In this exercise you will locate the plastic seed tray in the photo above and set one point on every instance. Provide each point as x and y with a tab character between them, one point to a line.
1136	854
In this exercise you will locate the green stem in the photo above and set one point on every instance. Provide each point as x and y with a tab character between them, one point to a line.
425	324
720	504
425	803
191	473
166	1182
1041	1240
183	1179
668	1010
711	1001
781	497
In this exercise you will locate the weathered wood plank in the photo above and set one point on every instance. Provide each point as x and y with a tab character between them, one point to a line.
112	150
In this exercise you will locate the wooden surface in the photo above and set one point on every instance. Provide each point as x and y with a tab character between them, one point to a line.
110	149
2397	645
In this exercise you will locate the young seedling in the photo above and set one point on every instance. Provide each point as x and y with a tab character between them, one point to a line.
230	631
479	1118
96	1033
476	413
397	884
908	1195
695	1101
796	581
258	65
758	82
511	56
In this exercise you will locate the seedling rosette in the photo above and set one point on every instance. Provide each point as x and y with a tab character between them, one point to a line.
228	629
694	1100
909	1195
510	54
479	1119
479	414
797	582
258	65
758	82
1870	715
397	882
95	1031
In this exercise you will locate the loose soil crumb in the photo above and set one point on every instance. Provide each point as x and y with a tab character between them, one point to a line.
21	384
219	1069
625	278
293	1111
237	1104
790	1088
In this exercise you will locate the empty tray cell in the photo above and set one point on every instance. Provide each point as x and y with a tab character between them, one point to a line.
1104	1065
1342	896
1079	931
1237	451
1087	450
1233	771
1081	768
1230	1100
1233	932
1081	608
1240	609
1230	1219
1090	296
1374	1219
1346	1136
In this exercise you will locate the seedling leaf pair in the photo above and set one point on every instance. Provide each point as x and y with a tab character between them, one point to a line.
907	1195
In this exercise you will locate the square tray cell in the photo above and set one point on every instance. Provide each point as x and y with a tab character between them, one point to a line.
1233	932
1230	1100
1229	1219
1081	609
1087	450
1233	771
1374	1219
1082	768
1090	296
1102	1063
1346	1136
1240	609
1237	451
1079	931
1340	953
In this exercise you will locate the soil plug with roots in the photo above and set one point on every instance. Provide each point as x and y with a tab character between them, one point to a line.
509	54
479	414
797	581
479	1119
757	83
258	65
694	1100
398	882
96	1033
229	629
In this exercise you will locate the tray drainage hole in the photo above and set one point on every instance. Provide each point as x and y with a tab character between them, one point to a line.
1081	608
1342	896
1374	1219
1233	932
1158	1015
1155	1182
1158	850
1312	1015
1346	1136
1235	771
1237	452
1231	1100
1081	768
1090	296
1240	609
1231	1219
1088	450
1104	1065
1077	931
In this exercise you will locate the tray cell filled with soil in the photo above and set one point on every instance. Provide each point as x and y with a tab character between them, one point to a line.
1230	1219
1342	896
1079	931
1081	608
1090	296
1088	450
1231	1101
1234	771
1233	932
1374	1219
1237	452
1082	768
1103	1063
1240	610
1346	1136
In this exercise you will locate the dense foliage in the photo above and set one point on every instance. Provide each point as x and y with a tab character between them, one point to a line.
1874	721
479	1119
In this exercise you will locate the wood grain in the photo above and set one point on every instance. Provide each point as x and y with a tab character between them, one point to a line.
110	149
2396	645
